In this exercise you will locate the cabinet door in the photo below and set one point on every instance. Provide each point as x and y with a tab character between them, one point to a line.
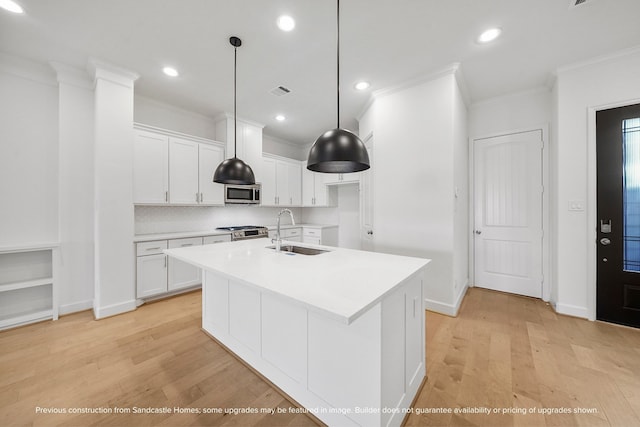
210	156
151	275
321	198
181	274
295	184
414	332
252	148
308	186
150	168
183	171
269	182
282	183
311	240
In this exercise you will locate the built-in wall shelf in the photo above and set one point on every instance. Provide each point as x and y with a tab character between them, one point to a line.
28	291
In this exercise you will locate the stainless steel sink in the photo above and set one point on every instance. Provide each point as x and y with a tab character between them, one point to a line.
299	250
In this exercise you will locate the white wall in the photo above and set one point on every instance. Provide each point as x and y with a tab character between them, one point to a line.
419	132
76	273
349	216
28	152
160	219
601	84
280	147
514	112
155	113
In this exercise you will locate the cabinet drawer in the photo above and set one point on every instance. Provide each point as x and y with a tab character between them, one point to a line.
217	239
291	232
151	248
183	243
315	232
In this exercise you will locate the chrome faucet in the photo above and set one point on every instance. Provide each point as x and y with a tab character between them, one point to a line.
278	239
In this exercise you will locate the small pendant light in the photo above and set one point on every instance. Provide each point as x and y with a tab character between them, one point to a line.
234	171
338	150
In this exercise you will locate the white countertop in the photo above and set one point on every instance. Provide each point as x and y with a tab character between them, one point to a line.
342	283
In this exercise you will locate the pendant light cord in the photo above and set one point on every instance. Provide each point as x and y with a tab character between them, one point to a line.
235	114
338	63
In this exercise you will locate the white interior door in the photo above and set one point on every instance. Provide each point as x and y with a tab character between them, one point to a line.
366	202
508	213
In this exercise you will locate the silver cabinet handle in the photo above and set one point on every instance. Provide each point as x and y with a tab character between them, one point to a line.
166	196
201	198
184	245
154	249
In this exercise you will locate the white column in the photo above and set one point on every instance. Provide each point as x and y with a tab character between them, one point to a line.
113	186
75	187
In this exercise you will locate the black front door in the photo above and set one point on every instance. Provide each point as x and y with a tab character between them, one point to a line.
618	164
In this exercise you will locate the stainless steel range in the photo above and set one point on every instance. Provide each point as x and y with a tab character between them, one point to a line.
244	232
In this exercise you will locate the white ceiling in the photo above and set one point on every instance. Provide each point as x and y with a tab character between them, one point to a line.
383	41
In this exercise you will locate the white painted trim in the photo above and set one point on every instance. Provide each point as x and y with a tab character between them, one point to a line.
509	96
229	116
599	59
592	204
112	73
572	310
416	81
27	69
444	308
462	85
155	129
70	75
546	199
170	107
76	307
283	141
112	310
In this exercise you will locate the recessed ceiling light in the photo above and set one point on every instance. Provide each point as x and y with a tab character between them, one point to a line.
280	118
171	72
286	23
362	85
11	6
489	35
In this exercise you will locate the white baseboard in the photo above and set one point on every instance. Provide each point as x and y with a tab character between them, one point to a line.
113	309
444	308
75	307
572	310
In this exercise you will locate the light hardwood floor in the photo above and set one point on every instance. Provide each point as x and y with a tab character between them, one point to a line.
502	351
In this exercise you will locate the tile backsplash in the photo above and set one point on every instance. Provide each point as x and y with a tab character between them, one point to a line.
169	219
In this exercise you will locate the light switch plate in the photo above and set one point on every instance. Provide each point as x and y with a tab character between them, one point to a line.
576	205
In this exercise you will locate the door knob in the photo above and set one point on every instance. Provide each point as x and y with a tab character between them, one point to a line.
478	232
604	241
370	232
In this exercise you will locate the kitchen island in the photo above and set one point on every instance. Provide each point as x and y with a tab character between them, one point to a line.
341	332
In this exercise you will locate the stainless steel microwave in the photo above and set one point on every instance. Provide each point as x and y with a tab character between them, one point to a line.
242	194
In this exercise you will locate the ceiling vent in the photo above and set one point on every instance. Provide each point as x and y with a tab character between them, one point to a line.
575	3
279	91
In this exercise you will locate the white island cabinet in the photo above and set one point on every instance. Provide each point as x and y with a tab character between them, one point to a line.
341	332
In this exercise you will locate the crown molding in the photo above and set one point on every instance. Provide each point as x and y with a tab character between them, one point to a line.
102	70
228	116
27	69
71	75
598	60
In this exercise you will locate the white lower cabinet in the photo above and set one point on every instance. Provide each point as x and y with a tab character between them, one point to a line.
180	274
151	269
377	361
327	236
156	274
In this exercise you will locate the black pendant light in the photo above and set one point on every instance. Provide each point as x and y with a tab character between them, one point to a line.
234	170
338	150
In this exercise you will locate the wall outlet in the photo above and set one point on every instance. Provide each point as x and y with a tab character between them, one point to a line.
576	205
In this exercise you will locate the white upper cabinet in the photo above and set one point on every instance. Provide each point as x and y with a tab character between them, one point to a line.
183	171
177	170
342	178
314	189
151	168
249	142
209	157
281	182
